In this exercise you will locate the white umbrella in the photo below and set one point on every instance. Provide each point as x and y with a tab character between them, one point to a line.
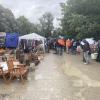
90	40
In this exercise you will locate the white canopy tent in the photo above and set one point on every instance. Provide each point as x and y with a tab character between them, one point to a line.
32	36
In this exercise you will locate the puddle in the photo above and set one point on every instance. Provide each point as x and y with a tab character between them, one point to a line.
4	96
83	79
80	80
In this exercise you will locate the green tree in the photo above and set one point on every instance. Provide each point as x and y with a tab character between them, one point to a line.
46	22
8	22
84	7
26	27
81	18
57	32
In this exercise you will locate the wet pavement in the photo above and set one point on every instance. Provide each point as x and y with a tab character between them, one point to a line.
57	78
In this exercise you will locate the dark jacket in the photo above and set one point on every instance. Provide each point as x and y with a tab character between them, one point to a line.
86	47
99	44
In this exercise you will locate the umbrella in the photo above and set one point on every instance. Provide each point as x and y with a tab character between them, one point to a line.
90	40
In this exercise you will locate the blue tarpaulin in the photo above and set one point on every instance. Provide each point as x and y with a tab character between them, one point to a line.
11	40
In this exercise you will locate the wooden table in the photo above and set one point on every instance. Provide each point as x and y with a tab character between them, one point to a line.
18	71
5	67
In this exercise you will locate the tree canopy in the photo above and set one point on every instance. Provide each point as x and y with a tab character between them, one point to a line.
8	22
81	18
46	22
25	26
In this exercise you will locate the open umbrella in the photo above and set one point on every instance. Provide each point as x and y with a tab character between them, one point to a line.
90	40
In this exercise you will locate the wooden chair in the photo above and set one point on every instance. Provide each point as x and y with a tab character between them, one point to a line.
12	58
19	72
3	74
24	70
35	59
10	68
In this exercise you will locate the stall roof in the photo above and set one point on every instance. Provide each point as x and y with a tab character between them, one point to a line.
32	36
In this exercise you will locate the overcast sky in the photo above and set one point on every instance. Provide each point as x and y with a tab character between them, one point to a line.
34	9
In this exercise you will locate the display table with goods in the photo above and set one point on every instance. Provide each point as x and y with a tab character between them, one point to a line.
13	69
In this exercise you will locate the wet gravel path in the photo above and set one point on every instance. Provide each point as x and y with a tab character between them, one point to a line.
57	78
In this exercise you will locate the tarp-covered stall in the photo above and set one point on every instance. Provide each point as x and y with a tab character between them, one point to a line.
11	40
33	37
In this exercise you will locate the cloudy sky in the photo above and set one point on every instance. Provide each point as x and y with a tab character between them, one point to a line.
34	9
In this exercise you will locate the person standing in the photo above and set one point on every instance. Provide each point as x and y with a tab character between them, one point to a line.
74	47
68	45
86	52
47	46
61	44
78	47
98	57
56	46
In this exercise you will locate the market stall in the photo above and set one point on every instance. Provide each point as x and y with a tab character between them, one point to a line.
31	40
